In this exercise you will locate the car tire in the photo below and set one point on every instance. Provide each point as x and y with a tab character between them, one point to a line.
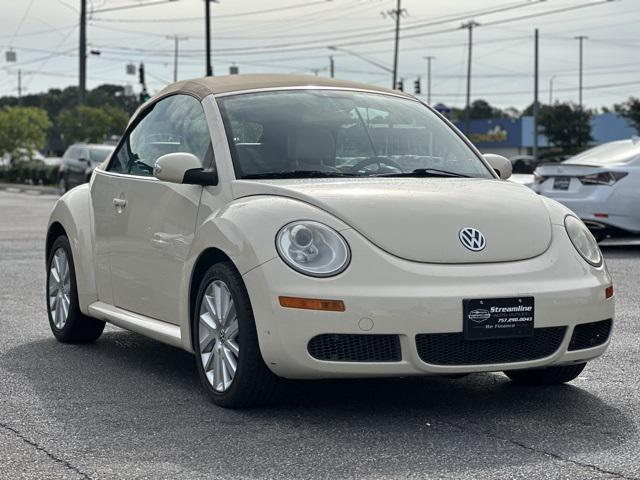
221	344
67	322
546	376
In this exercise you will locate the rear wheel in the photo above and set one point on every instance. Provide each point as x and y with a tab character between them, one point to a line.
67	322
228	356
546	376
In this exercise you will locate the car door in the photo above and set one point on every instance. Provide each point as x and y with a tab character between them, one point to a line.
153	222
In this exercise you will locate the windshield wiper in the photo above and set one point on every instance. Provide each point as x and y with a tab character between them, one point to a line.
297	174
424	172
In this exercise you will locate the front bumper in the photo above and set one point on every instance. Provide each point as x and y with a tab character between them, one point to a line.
385	295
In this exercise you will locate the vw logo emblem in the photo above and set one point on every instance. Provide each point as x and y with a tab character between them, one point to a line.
472	239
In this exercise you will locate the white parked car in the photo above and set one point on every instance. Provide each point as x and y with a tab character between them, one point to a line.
302	227
601	185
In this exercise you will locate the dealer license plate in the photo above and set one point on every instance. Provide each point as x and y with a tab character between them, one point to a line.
492	318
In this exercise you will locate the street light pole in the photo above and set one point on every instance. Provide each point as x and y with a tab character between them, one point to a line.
467	114
176	40
428	59
581	39
332	66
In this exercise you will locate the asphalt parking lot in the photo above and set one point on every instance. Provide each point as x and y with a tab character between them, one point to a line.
130	407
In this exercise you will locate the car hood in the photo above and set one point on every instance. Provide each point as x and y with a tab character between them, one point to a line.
420	219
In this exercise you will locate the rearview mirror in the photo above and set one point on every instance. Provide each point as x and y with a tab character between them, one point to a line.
501	165
184	168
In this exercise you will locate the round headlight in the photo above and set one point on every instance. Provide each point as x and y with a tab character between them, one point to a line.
583	240
313	248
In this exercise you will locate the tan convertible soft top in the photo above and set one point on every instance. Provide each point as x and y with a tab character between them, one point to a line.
202	87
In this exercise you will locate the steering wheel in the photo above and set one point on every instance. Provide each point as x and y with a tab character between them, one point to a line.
362	164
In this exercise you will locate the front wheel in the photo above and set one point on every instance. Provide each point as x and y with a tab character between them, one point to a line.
546	376
228	356
67	322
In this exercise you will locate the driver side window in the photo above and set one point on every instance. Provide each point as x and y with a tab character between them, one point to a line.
174	124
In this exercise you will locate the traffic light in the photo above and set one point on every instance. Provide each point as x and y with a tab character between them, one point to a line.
144	95
401	85
141	75
416	86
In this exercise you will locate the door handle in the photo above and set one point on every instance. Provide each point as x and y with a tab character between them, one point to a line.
119	203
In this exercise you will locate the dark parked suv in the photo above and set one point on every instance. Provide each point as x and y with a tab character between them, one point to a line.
79	161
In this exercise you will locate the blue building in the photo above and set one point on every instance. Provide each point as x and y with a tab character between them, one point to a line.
514	136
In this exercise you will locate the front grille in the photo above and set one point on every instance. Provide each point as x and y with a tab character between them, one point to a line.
589	335
453	349
355	348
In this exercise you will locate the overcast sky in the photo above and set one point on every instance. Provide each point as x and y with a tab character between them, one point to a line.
293	36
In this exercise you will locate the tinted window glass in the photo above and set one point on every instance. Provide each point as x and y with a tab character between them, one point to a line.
175	124
338	133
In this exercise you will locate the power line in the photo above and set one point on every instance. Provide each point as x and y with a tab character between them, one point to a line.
134	5
21	22
316	43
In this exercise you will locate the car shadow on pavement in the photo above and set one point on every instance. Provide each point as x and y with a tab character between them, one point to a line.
138	387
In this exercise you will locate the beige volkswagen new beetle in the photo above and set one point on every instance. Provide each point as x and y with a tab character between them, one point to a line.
301	227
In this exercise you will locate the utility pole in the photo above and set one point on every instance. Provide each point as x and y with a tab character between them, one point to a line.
82	84
535	98
332	66
467	114
428	59
19	87
551	89
396	14
581	39
207	20
176	40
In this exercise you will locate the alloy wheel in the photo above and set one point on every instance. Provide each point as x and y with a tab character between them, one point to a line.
59	288
218	336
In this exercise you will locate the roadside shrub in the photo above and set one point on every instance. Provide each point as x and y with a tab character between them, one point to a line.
32	173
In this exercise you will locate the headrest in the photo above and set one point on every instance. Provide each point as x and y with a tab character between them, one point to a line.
311	146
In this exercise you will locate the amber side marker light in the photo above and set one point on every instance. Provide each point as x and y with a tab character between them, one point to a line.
312	304
608	292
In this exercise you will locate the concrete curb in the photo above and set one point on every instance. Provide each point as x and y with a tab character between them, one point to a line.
31	189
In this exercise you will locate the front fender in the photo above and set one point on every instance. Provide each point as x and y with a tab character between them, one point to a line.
73	213
245	231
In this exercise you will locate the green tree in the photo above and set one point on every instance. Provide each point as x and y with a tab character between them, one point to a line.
482	109
90	124
631	111
479	109
566	126
23	129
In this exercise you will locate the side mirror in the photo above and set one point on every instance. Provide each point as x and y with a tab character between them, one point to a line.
83	160
501	165
184	168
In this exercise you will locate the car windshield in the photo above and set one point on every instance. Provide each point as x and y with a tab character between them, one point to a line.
328	133
98	155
